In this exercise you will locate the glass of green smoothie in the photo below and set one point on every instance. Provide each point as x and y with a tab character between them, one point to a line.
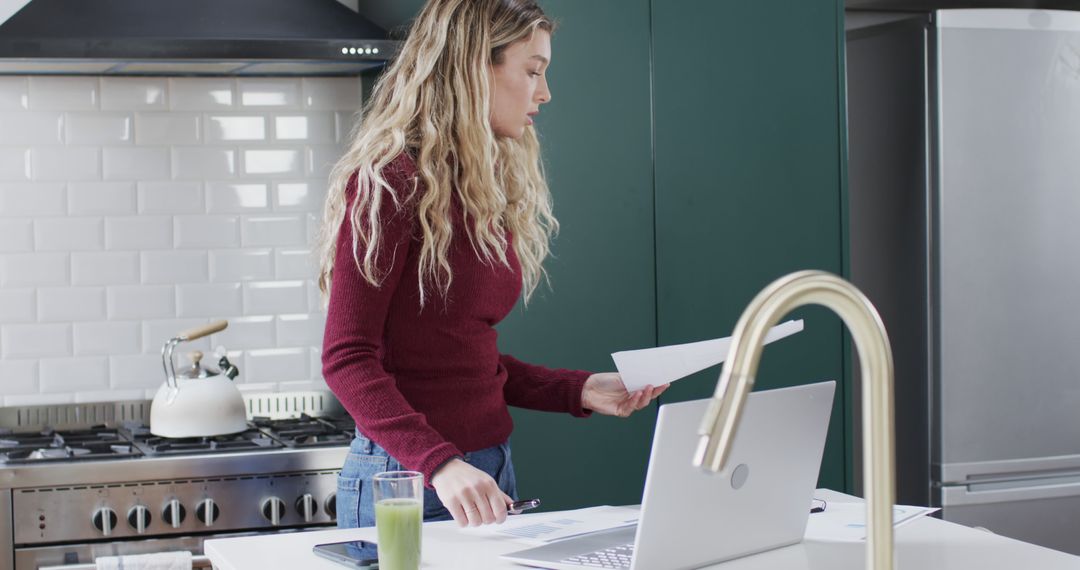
399	508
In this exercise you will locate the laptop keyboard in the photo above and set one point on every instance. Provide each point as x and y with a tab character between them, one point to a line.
614	557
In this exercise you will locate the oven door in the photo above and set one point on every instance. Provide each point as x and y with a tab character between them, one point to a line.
82	556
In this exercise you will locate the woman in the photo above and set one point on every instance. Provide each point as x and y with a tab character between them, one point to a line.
438	217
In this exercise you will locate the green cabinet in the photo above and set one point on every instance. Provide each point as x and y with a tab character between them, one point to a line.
598	156
749	163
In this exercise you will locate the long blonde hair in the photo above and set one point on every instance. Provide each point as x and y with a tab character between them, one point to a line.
433	102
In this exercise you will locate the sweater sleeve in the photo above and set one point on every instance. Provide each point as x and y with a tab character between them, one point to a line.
353	349
545	389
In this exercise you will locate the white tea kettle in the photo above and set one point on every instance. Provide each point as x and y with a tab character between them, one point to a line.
197	402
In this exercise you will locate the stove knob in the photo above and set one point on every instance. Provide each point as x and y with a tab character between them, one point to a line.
331	505
273	509
306	506
173	514
104	519
207	512
139	518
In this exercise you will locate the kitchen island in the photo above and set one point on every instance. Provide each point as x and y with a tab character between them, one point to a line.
924	544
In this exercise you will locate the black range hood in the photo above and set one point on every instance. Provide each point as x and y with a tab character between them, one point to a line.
191	37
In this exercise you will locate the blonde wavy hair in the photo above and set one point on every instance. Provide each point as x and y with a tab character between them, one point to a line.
433	102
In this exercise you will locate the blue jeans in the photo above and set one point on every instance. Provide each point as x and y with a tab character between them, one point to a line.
355	494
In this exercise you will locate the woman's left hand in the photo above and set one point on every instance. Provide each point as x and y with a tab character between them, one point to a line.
605	393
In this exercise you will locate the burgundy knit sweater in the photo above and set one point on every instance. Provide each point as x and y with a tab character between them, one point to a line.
429	384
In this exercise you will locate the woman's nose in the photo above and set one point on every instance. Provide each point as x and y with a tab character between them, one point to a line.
543	94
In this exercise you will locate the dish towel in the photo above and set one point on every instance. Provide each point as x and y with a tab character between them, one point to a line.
180	560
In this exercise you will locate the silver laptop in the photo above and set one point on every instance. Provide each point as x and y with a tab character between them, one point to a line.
689	518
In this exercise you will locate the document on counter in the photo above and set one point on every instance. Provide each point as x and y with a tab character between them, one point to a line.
663	364
846	522
542	528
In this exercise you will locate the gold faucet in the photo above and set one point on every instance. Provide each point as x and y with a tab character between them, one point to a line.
872	345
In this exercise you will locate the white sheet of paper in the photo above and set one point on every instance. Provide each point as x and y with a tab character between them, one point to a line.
846	522
663	364
542	528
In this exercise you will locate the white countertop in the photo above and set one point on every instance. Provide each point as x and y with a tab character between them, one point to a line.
925	544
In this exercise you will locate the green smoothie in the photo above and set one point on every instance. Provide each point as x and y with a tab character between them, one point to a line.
398	523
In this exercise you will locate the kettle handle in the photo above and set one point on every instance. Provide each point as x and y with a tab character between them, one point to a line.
199	332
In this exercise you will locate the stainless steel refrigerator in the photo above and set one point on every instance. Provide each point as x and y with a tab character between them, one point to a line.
964	208
1007	308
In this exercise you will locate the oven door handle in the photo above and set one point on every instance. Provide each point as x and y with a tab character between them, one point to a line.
197	561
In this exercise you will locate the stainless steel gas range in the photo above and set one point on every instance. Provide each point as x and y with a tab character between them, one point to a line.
85	480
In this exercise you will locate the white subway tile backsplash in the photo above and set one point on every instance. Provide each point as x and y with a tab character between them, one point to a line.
300	330
135	233
105	268
39	399
14	164
35	340
32	199
277	365
14	93
131	93
64	93
232	128
277	162
206	231
141	301
97	128
107	338
237	197
18	376
33	269
168	128
274	230
245	333
136	371
174	266
321	159
16	236
109	395
137	163
63	304
344	123
18	306
74	374
201	94
65	163
294	263
201	195
69	234
202	163
270	297
331	93
270	93
156	333
33	128
313	128
303	196
229	265
90	198
315	300
171	198
213	301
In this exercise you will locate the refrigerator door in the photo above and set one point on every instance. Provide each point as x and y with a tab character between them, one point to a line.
1008	272
1008	230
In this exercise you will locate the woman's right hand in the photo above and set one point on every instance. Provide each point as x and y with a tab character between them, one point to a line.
471	496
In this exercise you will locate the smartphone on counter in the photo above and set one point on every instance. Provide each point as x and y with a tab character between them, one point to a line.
352	553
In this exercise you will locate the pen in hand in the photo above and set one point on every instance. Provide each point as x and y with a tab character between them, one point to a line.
517	507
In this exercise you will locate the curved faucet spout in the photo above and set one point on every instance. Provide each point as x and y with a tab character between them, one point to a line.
872	344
